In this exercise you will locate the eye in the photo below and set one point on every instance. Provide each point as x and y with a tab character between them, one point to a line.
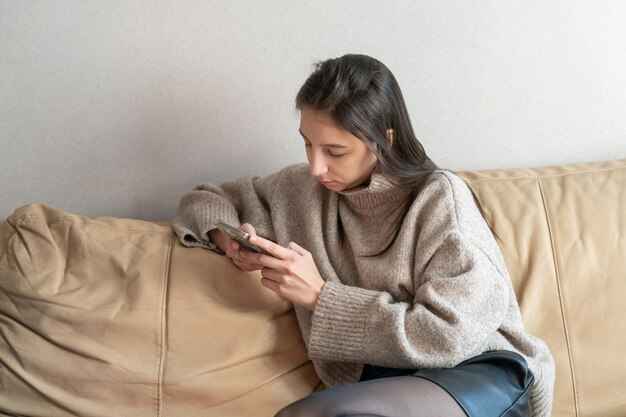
336	155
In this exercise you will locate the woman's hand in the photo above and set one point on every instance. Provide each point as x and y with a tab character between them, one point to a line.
290	272
233	249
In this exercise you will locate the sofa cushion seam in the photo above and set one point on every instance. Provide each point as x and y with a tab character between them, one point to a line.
77	220
560	293
537	176
162	352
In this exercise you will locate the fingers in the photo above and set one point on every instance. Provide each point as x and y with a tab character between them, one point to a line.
259	260
232	248
277	254
270	247
272	279
248	228
297	248
237	254
268	283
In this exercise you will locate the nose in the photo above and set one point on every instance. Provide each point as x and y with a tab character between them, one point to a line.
317	164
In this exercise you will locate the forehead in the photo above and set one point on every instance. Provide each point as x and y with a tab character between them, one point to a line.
321	129
312	118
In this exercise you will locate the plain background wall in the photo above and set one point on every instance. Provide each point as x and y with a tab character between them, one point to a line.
119	107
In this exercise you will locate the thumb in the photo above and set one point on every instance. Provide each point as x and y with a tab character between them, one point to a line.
297	248
248	228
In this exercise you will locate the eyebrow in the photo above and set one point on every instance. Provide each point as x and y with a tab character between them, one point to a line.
329	145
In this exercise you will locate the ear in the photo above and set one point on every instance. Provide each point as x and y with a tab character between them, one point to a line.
390	137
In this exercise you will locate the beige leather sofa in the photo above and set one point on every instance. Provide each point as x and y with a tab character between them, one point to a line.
113	317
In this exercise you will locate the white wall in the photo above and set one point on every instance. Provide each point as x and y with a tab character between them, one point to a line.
119	107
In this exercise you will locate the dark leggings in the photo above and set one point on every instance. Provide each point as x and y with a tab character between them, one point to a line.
399	396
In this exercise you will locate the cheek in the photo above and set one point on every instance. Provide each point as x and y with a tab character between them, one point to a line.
350	169
367	160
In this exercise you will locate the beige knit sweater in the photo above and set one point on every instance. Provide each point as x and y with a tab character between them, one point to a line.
441	294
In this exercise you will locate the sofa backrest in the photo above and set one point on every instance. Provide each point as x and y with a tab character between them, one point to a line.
562	231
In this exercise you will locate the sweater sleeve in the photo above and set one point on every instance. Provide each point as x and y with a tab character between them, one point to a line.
460	299
245	200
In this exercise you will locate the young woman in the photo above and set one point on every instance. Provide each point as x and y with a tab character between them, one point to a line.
401	293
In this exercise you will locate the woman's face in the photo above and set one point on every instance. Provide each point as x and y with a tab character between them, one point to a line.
337	158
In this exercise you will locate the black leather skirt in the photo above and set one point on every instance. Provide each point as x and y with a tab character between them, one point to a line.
495	383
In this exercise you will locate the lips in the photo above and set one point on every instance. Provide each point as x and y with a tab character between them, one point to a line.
326	182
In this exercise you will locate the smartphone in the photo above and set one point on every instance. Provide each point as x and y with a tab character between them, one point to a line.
238	235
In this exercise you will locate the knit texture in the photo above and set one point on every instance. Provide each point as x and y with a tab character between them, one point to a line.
440	295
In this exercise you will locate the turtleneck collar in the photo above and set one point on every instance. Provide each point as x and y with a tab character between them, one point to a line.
375	196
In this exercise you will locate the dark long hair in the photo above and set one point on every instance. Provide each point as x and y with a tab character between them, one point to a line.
361	95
